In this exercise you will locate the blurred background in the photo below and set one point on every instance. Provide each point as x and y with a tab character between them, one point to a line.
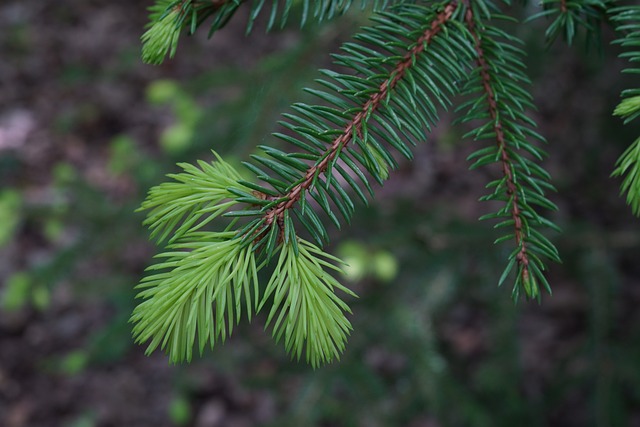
86	129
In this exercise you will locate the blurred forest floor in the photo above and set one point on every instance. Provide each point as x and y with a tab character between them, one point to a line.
86	129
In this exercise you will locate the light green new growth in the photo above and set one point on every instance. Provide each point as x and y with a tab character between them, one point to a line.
628	165
196	291
629	108
196	197
162	36
305	309
396	78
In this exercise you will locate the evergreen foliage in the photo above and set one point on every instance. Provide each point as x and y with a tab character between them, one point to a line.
416	59
628	23
498	102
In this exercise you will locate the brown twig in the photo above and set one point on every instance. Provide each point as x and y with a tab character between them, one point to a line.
512	193
355	125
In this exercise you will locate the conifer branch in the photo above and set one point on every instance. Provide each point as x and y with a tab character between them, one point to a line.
355	125
507	164
401	70
497	82
169	17
570	15
627	19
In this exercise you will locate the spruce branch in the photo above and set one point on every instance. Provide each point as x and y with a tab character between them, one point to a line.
571	15
506	162
377	104
627	19
399	73
356	126
497	82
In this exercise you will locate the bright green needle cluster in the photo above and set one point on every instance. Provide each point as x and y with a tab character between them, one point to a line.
198	290
629	108
197	196
204	278
305	309
161	37
395	79
397	75
628	165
